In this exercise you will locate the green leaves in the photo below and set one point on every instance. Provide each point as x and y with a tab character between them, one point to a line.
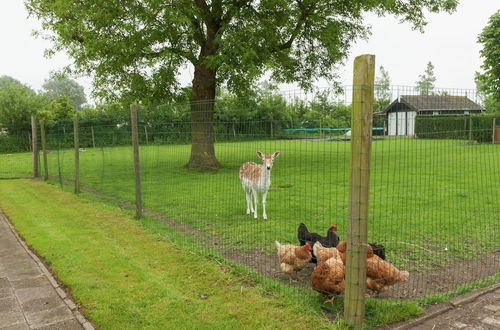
136	49
17	103
489	81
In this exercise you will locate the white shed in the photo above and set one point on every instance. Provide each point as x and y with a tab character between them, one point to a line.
402	112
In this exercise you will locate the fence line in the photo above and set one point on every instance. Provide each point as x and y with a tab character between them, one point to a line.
433	194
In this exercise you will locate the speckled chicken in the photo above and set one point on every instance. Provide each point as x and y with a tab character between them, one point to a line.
293	258
324	253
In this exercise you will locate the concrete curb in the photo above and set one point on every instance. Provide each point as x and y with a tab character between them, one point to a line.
60	291
454	302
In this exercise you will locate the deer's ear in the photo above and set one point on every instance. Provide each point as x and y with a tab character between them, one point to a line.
260	154
276	154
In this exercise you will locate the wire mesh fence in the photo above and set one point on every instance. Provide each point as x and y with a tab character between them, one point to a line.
434	181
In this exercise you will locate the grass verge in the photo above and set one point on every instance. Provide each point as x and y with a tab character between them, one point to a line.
127	274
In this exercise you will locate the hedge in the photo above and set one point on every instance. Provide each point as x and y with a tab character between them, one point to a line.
456	127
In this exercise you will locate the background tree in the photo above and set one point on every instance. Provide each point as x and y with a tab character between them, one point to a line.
383	92
58	85
6	80
488	82
425	84
18	103
135	49
488	100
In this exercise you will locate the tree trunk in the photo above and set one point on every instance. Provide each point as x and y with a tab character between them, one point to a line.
202	120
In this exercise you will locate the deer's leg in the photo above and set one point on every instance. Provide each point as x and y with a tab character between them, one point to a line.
248	197
264	197
255	202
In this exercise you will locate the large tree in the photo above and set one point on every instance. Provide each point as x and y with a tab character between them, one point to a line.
58	85
135	49
425	83
489	80
17	103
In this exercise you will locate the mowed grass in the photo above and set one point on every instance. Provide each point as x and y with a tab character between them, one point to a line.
126	277
432	201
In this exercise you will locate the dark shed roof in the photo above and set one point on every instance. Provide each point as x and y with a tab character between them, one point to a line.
433	103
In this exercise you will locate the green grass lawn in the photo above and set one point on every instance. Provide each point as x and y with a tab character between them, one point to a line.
431	200
126	275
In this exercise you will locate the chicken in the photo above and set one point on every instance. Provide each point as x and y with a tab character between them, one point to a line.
328	277
378	249
380	275
342	248
293	258
323	253
304	236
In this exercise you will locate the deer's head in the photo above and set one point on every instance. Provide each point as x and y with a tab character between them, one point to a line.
268	159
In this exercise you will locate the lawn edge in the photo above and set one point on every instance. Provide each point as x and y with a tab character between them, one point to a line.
62	290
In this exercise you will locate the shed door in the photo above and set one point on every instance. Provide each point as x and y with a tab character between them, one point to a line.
392	124
410	121
401	123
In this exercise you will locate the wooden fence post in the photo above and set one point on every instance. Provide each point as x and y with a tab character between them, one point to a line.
494	129
76	141
359	184
470	128
137	166
34	147
29	142
44	150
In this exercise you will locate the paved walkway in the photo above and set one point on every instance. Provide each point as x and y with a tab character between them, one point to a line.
477	310
480	313
30	298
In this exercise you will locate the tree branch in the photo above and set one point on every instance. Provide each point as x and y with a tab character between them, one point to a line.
305	12
204	9
152	55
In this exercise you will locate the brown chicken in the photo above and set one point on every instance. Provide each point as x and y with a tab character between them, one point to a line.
342	248
380	275
293	258
328	278
323	253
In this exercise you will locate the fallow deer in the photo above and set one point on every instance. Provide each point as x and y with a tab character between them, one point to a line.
257	178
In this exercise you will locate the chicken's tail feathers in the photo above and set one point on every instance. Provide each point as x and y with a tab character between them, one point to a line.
277	244
302	227
404	275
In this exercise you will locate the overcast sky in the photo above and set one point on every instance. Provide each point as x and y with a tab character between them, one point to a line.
449	42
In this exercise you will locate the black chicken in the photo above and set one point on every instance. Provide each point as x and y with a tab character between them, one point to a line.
331	240
378	249
304	236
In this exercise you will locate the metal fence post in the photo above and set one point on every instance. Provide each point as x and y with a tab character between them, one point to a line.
44	150
93	137
359	184
77	153
137	166
35	146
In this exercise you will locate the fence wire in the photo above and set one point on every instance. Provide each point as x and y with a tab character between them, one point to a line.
434	184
